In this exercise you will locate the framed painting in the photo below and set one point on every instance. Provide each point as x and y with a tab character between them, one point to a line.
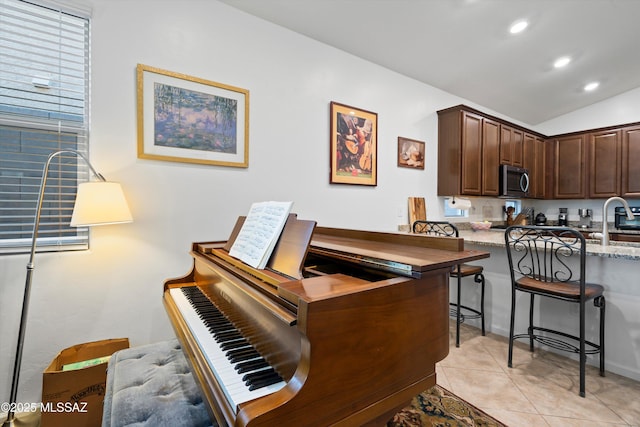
354	145
187	119
410	153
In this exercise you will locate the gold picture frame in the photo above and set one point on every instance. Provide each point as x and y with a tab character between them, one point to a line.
354	145
410	153
187	119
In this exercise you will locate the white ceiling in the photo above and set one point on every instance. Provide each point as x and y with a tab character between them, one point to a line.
464	47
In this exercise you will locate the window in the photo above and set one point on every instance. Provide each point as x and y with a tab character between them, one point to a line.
451	212
44	71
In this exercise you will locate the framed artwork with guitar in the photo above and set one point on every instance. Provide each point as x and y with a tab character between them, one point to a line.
354	145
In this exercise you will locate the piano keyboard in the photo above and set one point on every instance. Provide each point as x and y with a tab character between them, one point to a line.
240	370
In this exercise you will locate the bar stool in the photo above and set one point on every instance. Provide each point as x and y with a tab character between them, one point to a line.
540	264
444	228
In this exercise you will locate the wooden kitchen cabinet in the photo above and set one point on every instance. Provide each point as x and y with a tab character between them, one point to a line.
630	164
605	148
534	160
468	153
570	167
490	157
511	146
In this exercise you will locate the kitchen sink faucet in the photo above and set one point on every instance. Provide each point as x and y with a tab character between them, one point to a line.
604	236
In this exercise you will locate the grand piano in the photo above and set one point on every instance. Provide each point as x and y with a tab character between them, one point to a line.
343	327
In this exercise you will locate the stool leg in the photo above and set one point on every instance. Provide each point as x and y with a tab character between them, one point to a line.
583	356
531	304
512	324
458	309
601	303
479	278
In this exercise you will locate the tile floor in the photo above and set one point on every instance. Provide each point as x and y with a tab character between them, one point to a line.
540	390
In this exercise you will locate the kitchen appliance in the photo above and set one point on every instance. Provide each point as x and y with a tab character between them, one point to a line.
563	217
624	223
541	219
514	181
585	217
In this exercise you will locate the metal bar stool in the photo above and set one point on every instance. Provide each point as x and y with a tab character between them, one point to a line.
446	229
540	264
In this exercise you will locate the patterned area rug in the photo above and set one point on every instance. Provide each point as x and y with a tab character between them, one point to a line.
438	407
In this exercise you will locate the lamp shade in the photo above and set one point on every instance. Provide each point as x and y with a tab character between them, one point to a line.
100	203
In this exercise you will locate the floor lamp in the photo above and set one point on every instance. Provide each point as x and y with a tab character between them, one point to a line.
97	203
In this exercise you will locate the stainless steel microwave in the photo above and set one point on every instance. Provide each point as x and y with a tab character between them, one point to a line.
514	181
624	223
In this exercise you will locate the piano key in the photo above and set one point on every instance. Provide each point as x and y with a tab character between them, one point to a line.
230	380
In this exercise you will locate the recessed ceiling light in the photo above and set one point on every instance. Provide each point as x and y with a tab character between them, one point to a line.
518	27
591	86
562	62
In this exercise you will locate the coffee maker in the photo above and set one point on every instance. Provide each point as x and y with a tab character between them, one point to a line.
563	217
585	218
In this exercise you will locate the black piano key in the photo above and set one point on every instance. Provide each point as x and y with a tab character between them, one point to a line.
251	365
262	378
230	345
242	354
265	382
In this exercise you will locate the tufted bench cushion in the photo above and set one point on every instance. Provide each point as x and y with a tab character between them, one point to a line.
152	386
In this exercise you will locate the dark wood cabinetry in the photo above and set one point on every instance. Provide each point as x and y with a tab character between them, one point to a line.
511	146
570	167
630	162
534	160
604	163
597	163
490	157
468	154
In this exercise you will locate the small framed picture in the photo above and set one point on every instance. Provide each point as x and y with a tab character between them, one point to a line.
410	153
354	146
187	119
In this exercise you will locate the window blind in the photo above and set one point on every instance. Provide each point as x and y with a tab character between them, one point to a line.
44	75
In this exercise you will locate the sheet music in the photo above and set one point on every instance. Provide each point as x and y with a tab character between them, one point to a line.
260	232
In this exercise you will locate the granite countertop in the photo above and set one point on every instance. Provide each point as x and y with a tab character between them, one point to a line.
495	237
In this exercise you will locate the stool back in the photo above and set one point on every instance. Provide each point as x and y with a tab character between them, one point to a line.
435	228
547	255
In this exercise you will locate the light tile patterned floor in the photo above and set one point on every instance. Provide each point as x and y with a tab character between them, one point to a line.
540	390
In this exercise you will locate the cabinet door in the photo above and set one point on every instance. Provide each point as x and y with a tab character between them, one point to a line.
490	158
471	182
534	161
631	161
569	169
517	141
538	179
604	164
511	146
506	145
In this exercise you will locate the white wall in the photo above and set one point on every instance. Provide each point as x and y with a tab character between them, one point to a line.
115	289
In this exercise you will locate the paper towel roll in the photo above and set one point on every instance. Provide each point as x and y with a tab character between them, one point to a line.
459	203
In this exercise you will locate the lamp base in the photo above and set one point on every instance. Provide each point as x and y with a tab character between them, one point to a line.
22	419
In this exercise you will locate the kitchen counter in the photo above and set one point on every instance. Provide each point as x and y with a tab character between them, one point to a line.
495	237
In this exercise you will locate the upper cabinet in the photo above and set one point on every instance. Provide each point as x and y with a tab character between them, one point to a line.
473	145
569	167
598	163
605	176
468	153
511	146
630	169
534	160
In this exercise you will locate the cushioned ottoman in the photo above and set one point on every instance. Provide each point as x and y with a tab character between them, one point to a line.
152	386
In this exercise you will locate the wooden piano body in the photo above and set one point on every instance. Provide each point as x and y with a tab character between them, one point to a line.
355	336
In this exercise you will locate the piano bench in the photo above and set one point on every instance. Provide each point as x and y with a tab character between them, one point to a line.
152	385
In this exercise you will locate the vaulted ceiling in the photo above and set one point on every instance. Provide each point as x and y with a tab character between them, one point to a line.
464	47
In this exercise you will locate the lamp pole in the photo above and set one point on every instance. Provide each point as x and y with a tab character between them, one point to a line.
27	287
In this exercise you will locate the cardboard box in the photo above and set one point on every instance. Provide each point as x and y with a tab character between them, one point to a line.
75	397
